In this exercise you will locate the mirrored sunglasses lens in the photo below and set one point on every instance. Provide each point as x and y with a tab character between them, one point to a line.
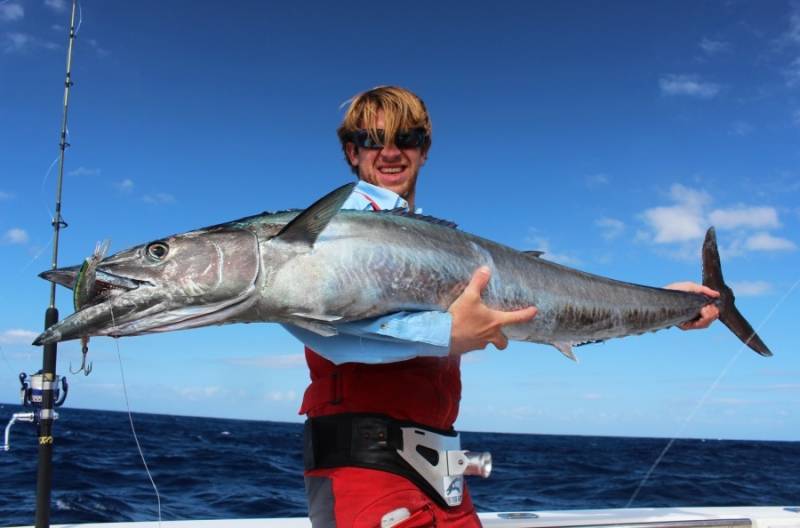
364	140
410	139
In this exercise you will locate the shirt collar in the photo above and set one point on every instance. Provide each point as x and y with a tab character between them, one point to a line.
385	198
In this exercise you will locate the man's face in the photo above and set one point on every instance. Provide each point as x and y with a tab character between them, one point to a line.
388	167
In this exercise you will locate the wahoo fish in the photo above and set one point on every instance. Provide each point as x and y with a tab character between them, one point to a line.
322	266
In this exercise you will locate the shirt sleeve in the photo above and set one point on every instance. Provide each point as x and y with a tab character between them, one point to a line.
395	337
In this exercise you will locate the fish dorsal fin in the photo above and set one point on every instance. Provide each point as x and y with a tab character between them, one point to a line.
401	211
532	253
306	227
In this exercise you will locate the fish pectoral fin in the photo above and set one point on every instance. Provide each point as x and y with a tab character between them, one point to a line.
325	318
566	349
306	227
318	327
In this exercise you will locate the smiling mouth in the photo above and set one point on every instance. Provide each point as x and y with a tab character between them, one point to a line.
389	171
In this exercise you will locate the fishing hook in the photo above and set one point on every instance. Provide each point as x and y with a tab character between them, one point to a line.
85	368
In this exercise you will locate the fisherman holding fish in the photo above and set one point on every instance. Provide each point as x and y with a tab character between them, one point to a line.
385	392
379	444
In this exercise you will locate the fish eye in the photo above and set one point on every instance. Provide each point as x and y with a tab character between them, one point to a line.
157	250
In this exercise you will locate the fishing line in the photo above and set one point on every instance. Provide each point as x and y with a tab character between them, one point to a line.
80	18
36	256
705	396
44	182
130	420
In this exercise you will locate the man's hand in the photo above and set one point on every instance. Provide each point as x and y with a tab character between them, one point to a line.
475	325
708	314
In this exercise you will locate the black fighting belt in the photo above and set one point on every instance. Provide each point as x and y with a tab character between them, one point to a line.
367	441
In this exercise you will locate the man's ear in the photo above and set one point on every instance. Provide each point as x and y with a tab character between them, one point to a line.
352	153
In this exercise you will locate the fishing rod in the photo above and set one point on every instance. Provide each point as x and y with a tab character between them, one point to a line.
44	390
44	477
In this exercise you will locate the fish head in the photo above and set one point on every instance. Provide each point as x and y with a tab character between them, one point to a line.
184	281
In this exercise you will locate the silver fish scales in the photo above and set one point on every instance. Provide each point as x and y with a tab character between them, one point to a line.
322	266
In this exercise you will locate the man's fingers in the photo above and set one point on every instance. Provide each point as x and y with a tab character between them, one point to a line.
500	341
708	314
518	316
692	287
479	281
705	290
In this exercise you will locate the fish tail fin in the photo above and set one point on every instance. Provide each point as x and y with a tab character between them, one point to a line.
728	314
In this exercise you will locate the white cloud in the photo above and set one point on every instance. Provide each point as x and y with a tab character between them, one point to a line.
752	217
16	42
611	227
741	128
158	198
767	242
59	6
288	395
84	171
794	26
713	47
688	219
681	222
674	224
5	196
689	197
101	52
17	336
792	73
11	12
595	180
15	235
197	393
271	362
125	185
689	85
23	42
796	117
750	288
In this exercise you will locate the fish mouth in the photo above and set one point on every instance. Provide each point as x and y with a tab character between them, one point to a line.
211	279
106	284
124	306
120	315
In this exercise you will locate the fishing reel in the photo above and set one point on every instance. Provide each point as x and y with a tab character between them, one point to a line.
34	386
32	394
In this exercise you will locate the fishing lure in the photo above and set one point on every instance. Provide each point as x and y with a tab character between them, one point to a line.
84	291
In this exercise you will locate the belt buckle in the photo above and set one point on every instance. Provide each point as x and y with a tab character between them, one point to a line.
439	459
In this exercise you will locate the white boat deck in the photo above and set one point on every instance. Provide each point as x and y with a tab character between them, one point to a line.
730	517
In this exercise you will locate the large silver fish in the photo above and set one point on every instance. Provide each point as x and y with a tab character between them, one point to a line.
322	266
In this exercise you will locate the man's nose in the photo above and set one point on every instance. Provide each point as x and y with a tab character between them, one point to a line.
390	150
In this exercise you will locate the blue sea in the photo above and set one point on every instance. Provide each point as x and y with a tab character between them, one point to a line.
208	468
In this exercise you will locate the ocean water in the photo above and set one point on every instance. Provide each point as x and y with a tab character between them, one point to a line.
208	468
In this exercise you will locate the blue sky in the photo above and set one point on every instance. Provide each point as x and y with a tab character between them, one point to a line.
609	136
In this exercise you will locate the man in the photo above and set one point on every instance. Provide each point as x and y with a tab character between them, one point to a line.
377	376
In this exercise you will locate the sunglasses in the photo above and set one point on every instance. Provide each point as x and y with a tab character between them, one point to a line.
404	139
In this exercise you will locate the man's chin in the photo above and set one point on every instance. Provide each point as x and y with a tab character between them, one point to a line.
399	185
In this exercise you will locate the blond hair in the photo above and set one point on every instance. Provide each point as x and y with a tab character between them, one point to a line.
402	110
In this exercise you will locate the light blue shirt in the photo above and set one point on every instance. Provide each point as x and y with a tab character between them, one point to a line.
394	337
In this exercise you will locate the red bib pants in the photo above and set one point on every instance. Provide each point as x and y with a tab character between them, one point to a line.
424	390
